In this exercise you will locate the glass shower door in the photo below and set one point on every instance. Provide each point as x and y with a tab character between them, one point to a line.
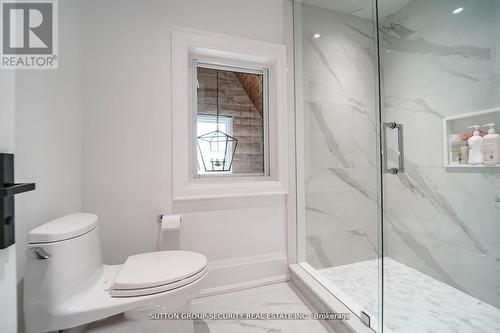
337	159
440	75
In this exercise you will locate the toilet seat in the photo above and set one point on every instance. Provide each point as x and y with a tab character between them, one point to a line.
155	272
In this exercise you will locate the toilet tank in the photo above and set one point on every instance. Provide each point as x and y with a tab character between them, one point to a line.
63	258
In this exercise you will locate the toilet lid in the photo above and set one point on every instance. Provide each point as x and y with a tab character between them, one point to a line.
155	269
63	228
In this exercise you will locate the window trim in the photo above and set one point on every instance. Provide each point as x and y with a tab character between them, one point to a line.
188	44
198	62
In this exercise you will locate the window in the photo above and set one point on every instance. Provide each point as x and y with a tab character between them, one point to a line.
232	120
194	51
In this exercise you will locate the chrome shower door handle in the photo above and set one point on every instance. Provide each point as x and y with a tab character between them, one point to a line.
401	157
401	149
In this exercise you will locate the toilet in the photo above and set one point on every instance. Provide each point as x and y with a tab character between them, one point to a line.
67	287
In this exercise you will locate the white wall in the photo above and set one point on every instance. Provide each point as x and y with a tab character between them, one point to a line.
48	133
127	123
7	111
104	117
8	298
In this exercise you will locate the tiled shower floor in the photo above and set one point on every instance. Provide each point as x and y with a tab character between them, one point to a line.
413	302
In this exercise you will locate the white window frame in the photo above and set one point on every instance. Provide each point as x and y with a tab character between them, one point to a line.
188	45
197	63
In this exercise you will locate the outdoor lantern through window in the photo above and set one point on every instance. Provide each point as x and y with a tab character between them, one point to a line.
217	148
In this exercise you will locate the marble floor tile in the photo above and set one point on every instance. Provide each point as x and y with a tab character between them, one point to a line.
276	298
281	298
315	327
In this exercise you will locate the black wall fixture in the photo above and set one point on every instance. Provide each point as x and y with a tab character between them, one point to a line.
7	191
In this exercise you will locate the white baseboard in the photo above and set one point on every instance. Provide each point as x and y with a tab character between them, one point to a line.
243	273
242	286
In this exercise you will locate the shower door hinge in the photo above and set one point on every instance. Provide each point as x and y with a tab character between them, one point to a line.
365	318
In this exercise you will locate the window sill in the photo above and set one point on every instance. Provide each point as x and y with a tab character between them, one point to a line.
198	190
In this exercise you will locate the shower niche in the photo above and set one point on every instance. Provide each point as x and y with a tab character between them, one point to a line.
459	128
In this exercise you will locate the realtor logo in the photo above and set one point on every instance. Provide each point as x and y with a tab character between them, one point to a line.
29	34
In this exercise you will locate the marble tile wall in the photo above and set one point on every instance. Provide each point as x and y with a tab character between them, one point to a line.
340	141
434	64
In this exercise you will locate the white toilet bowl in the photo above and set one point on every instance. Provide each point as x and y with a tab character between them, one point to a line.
67	287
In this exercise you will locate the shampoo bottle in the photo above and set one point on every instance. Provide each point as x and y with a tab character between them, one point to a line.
491	146
475	146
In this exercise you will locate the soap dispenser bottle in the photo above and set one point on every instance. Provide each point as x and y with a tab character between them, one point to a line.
491	146
455	145
475	146
464	149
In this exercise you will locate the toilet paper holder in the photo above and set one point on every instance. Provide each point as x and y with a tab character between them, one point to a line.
159	218
169	228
